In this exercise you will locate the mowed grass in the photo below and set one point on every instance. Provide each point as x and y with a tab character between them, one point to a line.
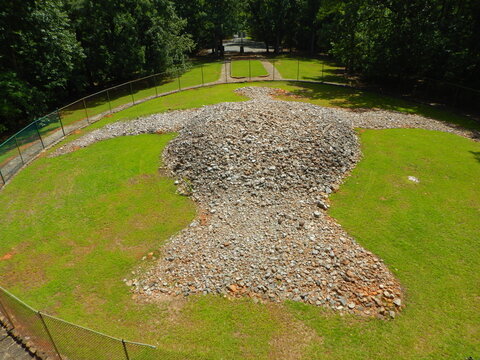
247	68
75	234
318	94
309	69
126	94
427	233
349	98
188	99
200	73
78	224
70	239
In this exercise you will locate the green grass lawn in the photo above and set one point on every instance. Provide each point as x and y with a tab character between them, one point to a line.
181	100
309	69
247	68
318	94
140	90
348	98
120	96
427	233
76	225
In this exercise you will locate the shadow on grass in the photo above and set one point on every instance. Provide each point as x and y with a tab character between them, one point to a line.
476	155
346	97
330	75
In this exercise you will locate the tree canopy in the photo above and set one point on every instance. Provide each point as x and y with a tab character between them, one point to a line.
56	50
39	54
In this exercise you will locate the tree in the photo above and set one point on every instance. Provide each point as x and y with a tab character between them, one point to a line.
308	24
273	21
39	54
198	24
126	38
391	39
223	17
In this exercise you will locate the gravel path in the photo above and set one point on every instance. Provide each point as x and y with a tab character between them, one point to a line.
164	122
261	172
175	120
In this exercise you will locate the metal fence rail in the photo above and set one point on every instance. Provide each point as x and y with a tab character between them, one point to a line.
26	144
59	339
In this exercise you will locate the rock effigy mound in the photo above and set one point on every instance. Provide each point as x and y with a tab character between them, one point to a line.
261	172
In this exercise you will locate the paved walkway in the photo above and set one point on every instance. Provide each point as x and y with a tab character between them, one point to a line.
10	350
249	46
273	74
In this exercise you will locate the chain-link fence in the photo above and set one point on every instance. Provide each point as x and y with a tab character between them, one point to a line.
58	339
26	144
22	147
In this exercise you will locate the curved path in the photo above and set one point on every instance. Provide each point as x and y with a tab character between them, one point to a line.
16	163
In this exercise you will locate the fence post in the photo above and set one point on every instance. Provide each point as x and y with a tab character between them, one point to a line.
131	93
86	112
4	309
18	148
455	97
49	334
125	350
4	182
155	82
226	74
38	133
298	68
203	83
109	104
61	122
249	71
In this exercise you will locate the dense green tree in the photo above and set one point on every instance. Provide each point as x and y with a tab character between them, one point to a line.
126	38
409	39
211	21
274	21
224	16
308	24
198	23
39	53
55	49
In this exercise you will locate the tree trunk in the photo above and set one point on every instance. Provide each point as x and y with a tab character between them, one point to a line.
277	45
312	42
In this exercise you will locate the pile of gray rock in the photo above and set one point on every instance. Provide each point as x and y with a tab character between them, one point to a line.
261	172
176	120
157	123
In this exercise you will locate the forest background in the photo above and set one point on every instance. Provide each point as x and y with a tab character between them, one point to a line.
54	51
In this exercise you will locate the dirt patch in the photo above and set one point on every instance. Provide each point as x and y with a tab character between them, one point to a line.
293	338
204	217
280	93
171	306
7	256
142	178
